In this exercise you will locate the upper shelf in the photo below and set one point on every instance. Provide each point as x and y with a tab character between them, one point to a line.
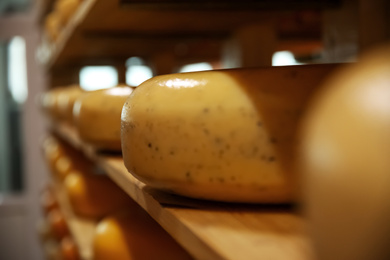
109	30
210	230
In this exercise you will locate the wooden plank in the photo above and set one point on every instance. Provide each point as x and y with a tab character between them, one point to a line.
105	31
210	230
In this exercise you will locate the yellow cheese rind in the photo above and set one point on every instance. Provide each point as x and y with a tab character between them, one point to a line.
219	135
97	116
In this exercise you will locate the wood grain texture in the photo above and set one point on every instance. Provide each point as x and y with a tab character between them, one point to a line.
210	230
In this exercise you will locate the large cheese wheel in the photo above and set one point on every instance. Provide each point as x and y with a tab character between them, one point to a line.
95	195
222	135
134	235
345	158
97	116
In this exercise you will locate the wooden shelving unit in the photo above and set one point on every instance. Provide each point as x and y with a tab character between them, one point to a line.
107	32
209	230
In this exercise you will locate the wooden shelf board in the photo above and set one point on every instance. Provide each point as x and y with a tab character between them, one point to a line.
81	229
210	230
105	29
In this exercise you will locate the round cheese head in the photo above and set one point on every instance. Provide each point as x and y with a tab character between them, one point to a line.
220	135
95	195
97	116
131	235
345	158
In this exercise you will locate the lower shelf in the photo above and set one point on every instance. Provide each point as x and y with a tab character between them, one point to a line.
209	230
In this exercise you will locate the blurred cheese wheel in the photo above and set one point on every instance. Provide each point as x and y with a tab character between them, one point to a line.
66	100
224	135
44	231
69	249
69	159
66	9
345	158
48	200
134	235
57	223
97	116
51	250
52	151
49	103
94	195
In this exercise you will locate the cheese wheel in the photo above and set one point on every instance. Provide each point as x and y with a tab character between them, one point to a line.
345	158
224	135
58	226
44	231
69	249
134	235
66	100
50	105
97	117
48	200
71	160
94	195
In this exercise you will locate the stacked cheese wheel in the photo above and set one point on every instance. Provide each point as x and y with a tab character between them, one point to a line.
58	103
95	115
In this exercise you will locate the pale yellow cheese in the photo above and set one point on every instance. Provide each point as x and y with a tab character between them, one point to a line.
221	135
97	116
346	161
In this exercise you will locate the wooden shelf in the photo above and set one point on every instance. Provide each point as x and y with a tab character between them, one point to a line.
108	31
81	229
210	230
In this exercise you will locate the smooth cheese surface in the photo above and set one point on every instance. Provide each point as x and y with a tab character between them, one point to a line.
345	158
222	135
97	116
